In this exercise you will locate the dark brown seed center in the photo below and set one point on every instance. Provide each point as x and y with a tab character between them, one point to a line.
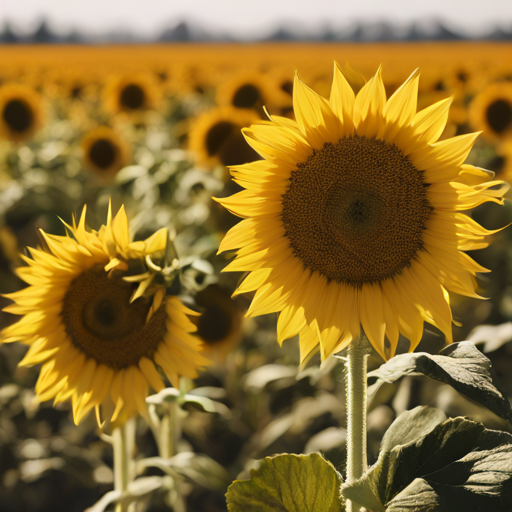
217	135
247	96
225	140
499	116
355	211
18	116
102	153
101	322
214	324
132	97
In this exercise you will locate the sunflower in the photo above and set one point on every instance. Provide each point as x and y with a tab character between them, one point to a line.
246	90
501	164
97	328
220	324
282	82
104	152
215	137
491	111
21	112
131	94
353	220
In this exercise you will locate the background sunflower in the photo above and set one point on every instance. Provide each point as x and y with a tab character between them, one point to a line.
21	112
104	152
491	112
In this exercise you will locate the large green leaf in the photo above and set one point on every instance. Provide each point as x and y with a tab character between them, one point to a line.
427	464
288	483
461	365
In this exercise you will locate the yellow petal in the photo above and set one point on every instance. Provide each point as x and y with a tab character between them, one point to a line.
314	116
342	101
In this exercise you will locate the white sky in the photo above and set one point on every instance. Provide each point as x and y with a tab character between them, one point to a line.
244	18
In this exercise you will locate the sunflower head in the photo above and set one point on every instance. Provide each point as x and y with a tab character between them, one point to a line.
353	220
491	112
220	324
131	94
248	90
21	112
97	317
216	137
104	152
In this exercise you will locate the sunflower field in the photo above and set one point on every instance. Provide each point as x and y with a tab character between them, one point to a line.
250	278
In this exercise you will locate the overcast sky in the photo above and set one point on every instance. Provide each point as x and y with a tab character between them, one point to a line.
244	18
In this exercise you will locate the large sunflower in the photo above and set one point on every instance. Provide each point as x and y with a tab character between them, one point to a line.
353	220
99	320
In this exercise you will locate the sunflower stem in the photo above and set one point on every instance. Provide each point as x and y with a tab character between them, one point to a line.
170	433
356	413
123	441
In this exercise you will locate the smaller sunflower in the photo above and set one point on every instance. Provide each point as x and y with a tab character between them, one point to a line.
131	94
283	84
97	317
501	164
491	112
21	112
220	324
105	153
216	137
248	90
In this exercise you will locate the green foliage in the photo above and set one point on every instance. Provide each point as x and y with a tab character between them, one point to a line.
461	365
428	463
288	483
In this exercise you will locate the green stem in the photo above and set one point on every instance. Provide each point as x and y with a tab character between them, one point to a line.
123	440
170	433
356	413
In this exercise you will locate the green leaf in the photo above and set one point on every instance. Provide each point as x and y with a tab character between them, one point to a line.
198	468
461	365
138	490
288	483
492	337
479	481
440	466
412	425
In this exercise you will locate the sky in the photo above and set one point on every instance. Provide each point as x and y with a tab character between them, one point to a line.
248	18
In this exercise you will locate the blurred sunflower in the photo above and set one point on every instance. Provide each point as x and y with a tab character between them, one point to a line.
21	112
97	327
501	164
248	90
491	111
220	324
131	94
104	152
283	83
216	138
353	219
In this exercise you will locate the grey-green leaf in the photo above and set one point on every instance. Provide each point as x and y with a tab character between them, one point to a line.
480	481
412	425
440	466
461	365
288	483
